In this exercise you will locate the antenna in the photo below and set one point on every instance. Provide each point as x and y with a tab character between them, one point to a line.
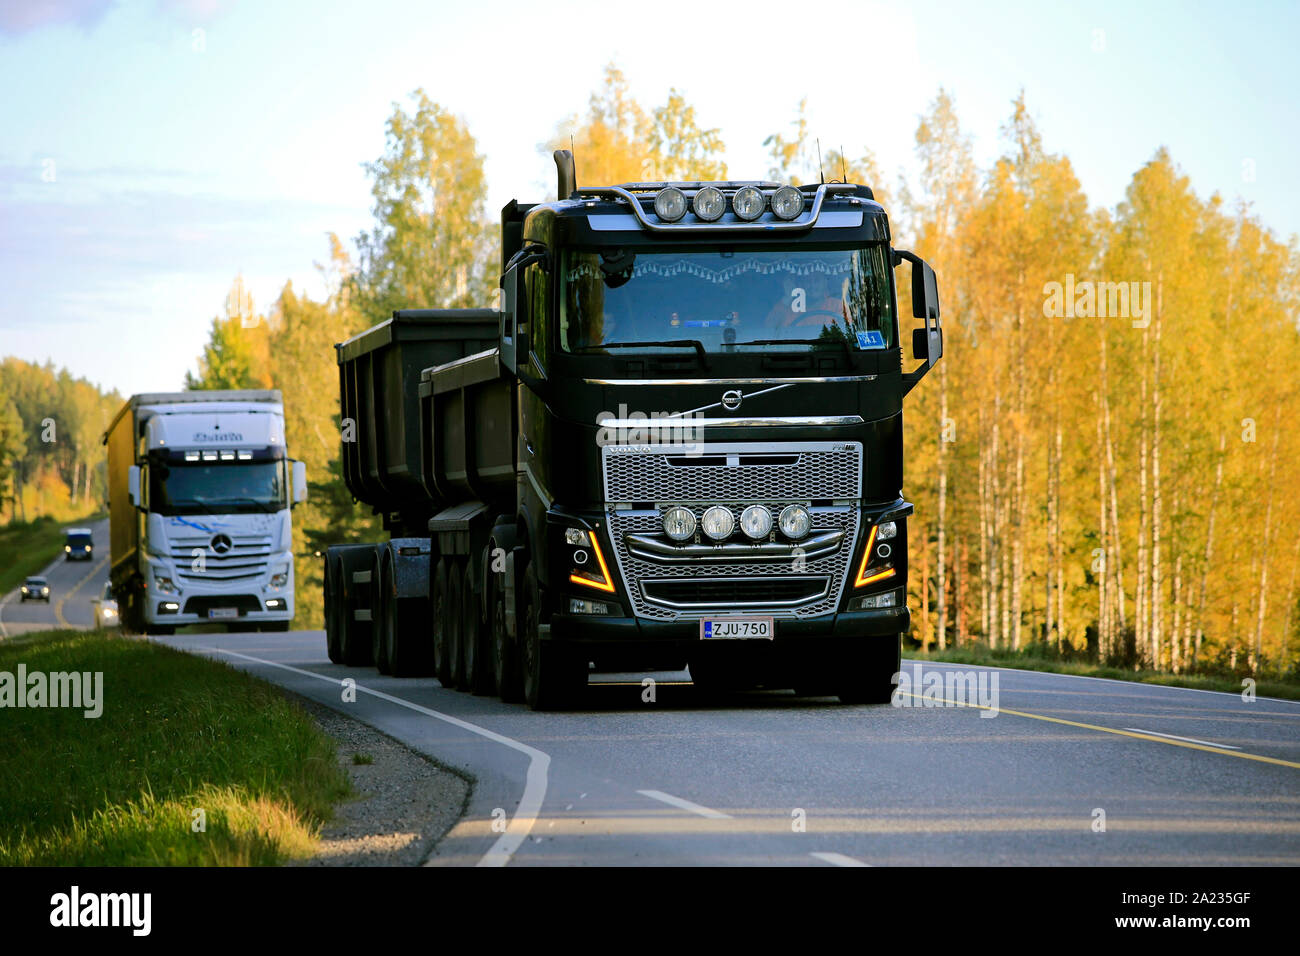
820	175
844	172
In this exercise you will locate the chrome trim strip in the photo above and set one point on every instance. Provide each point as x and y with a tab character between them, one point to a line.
794	602
650	548
460	361
804	221
727	381
773	422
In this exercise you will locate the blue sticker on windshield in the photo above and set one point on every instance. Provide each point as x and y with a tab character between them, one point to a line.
871	340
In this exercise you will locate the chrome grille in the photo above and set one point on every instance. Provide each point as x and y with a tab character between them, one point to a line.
247	559
742	472
636	570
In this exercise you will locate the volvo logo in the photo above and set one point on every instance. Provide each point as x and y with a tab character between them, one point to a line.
222	544
731	399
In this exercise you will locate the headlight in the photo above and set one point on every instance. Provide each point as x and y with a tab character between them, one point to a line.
710	204
164	584
795	521
45	590
748	204
279	579
679	523
756	522
887	530
718	523
67	547
670	204
87	547
109	612
787	203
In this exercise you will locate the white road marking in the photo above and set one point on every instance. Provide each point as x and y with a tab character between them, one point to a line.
684	804
838	859
1190	740
530	804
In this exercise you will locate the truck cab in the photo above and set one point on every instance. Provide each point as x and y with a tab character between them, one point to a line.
710	429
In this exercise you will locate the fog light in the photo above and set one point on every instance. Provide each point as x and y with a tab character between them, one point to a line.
679	523
670	204
795	521
873	601
580	606
168	607
275	604
756	522
709	204
748	203
787	203
718	523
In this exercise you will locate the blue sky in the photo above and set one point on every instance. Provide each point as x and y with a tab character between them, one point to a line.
152	150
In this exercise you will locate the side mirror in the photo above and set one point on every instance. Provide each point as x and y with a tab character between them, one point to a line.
512	304
927	341
133	485
299	481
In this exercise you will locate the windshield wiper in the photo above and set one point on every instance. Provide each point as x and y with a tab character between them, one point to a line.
671	344
261	504
842	342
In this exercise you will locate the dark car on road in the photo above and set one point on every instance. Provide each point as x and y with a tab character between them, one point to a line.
79	545
36	589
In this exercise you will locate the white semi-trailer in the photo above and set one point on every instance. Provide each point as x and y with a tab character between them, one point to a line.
200	492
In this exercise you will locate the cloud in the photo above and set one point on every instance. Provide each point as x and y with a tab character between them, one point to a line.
23	16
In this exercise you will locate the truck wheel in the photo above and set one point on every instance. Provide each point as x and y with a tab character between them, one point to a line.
553	674
333	646
406	646
865	672
505	652
479	676
438	620
381	612
354	635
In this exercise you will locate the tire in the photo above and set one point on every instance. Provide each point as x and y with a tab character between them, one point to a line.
865	674
438	608
714	676
480	676
406	647
333	645
381	608
354	635
505	651
554	675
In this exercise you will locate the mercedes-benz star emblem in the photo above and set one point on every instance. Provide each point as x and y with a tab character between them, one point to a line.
731	399
222	544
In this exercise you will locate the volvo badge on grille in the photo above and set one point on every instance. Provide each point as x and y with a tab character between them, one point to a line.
731	399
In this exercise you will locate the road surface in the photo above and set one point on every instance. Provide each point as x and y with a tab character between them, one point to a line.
1067	771
73	584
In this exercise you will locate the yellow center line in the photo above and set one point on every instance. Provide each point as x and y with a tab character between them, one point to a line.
58	608
1126	733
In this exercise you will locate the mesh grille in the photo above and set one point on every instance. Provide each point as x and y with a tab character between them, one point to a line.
635	570
764	473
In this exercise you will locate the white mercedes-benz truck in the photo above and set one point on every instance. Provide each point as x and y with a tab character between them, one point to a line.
201	489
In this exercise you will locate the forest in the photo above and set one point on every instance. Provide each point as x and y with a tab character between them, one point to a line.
1103	466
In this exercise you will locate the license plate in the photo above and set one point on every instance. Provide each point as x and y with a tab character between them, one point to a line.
223	612
737	628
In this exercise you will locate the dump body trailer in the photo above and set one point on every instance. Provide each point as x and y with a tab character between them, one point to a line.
376	592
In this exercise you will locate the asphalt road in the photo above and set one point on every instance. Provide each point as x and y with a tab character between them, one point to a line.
1066	771
73	584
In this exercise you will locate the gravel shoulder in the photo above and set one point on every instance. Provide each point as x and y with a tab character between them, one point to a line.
405	802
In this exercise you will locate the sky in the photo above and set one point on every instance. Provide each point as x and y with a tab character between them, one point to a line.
150	151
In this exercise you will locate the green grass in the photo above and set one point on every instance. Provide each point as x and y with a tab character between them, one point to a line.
1034	659
27	549
360	759
178	733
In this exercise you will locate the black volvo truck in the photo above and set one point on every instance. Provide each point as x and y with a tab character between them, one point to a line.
679	442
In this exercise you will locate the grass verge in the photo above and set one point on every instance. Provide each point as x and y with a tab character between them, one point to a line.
981	655
178	734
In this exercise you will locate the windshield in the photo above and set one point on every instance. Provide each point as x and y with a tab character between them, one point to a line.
726	301
182	489
78	540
